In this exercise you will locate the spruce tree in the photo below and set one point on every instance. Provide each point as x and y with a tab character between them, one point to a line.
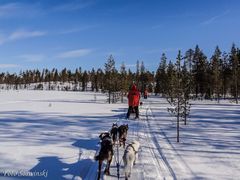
93	79
123	80
200	66
110	77
234	61
161	76
189	55
142	78
171	80
216	70
84	80
179	97
137	74
226	75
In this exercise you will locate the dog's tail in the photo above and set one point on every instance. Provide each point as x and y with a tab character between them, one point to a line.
96	158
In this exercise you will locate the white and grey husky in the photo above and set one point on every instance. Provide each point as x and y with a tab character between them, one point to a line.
129	157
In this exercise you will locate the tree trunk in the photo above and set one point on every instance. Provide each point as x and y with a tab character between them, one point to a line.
178	120
185	113
109	97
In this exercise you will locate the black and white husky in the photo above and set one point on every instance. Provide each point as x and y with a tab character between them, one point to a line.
129	157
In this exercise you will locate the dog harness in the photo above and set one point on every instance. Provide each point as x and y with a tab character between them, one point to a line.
133	148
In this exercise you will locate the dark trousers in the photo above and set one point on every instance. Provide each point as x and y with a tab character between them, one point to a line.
130	110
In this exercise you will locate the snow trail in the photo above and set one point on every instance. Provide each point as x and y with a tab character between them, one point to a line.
161	142
161	162
151	164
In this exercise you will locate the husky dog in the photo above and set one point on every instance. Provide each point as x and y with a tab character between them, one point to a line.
129	157
106	153
114	132
122	132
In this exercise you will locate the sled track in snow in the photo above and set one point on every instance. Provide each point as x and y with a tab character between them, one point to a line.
138	127
181	162
162	163
153	147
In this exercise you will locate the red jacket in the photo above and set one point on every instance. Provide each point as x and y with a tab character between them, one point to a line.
133	96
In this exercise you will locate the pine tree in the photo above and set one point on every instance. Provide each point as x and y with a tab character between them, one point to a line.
189	55
161	76
234	61
100	77
216	70
179	97
137	73
96	81
92	79
64	75
142	78
110	77
84	80
123	80
200	72
38	76
79	77
149	80
186	90
69	76
226	75
171	80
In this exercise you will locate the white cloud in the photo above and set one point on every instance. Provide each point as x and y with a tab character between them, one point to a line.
19	10
33	9
75	53
31	57
9	65
7	9
22	34
214	18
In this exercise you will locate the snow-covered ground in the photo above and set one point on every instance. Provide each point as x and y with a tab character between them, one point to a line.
209	145
56	133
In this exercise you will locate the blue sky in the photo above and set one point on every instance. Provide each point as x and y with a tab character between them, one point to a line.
77	33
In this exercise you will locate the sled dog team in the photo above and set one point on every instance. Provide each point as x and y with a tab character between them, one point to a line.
108	141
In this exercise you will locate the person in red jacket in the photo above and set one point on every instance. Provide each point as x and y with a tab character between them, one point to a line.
133	101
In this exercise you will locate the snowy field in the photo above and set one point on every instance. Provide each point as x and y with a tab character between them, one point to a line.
56	133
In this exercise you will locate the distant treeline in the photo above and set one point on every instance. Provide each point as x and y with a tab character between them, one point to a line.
214	77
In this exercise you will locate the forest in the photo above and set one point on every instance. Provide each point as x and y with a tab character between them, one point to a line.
201	77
